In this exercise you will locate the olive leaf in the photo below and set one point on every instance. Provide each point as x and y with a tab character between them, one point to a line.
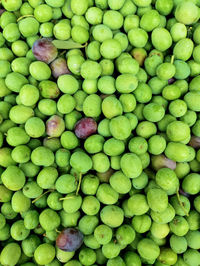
70	44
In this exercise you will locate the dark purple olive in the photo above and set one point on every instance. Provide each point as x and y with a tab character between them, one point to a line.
44	50
85	127
70	239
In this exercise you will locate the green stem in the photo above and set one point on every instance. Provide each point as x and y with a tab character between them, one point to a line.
66	198
172	59
50	137
39	197
25	16
181	204
79	183
62	53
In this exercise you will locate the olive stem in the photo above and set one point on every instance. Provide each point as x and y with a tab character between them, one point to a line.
62	53
50	137
79	183
39	197
25	16
172	59
66	198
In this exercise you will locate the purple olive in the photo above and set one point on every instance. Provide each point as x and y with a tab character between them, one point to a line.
85	127
70	239
44	50
59	67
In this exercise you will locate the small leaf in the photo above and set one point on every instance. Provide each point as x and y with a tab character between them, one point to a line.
70	44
